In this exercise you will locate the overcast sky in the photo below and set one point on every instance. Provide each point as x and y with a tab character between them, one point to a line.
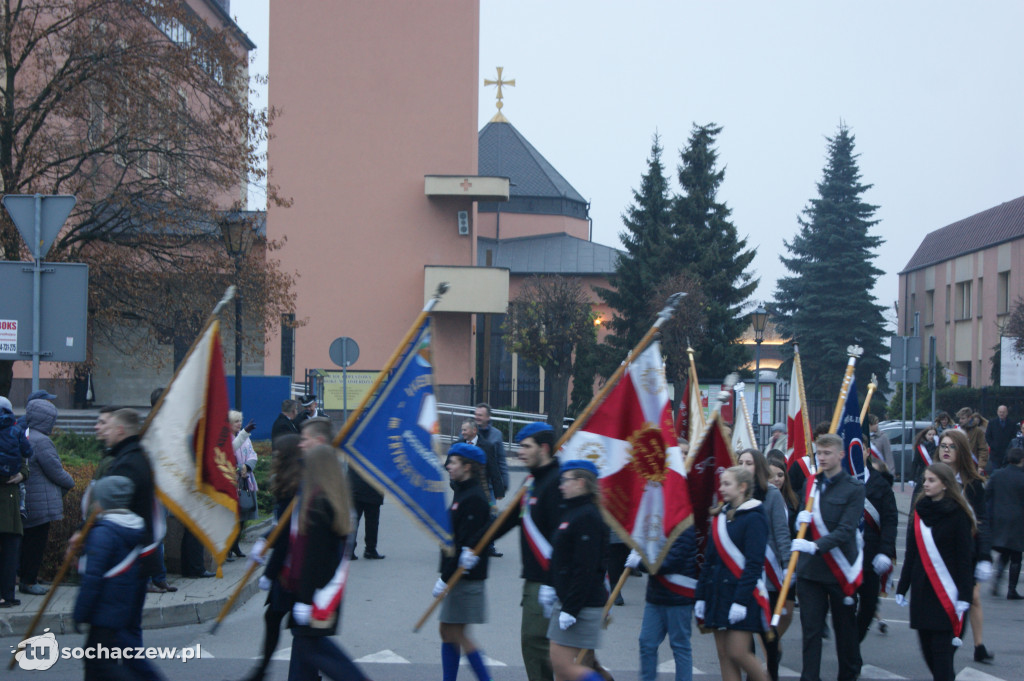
931	90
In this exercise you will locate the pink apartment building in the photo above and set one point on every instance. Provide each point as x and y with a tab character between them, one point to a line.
961	280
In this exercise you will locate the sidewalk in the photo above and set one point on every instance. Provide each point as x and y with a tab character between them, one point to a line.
196	600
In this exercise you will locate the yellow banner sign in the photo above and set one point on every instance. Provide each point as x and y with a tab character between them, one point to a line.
358	384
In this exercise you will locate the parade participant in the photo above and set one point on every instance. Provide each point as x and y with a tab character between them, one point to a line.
537	521
936	570
925	444
731	596
942	422
880	519
800	470
973	425
669	607
285	474
779	540
466	603
829	570
245	459
779	477
316	568
284	423
955	452
1004	497
579	561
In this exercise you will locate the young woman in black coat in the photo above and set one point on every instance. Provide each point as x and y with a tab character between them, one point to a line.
778	475
880	519
955	451
942	514
731	597
926	444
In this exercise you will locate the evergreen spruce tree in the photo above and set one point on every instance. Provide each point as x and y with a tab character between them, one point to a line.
643	266
705	244
826	303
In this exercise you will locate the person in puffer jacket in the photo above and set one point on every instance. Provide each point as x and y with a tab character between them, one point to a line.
110	573
44	492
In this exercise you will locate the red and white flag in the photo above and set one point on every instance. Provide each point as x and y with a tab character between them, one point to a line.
714	455
188	440
797	446
630	437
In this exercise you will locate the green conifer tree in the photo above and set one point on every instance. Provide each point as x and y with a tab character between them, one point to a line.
705	243
826	302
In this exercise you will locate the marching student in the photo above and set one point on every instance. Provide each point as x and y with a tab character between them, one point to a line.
779	540
579	560
731	596
880	519
936	570
829	570
466	603
955	451
925	444
1005	498
316	568
778	475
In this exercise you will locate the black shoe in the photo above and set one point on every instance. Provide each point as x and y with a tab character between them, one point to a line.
10	603
238	552
619	600
229	559
372	555
495	553
1014	596
982	655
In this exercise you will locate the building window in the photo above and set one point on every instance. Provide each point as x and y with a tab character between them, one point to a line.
1003	293
948	298
288	345
981	287
929	307
962	303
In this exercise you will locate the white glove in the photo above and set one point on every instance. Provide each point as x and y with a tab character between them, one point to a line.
804	518
804	546
983	571
901	600
256	554
546	598
698	609
737	613
264	584
961	607
439	587
633	560
468	559
302	613
881	563
565	620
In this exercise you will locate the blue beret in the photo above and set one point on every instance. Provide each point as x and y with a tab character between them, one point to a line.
468	451
579	465
531	429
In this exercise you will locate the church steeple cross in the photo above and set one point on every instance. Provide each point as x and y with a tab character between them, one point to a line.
500	82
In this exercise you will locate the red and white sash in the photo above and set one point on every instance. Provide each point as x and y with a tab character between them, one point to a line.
805	466
772	570
925	456
327	599
872	518
734	560
540	547
678	584
875	453
938	574
849	575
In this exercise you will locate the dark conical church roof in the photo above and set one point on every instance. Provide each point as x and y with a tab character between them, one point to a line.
536	187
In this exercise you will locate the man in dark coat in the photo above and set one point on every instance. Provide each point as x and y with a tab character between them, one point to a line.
1004	496
495	488
285	422
818	588
1000	431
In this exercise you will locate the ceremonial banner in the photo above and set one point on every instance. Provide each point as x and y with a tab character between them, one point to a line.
631	440
711	460
853	435
797	445
742	430
188	440
696	404
394	443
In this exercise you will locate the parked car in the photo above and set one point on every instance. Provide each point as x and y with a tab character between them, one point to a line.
902	443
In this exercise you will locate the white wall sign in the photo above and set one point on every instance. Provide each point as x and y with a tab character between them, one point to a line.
8	335
1011	368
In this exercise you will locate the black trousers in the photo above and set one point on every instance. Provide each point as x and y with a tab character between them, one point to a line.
192	561
319	653
816	599
372	526
10	547
106	669
33	545
937	648
867	599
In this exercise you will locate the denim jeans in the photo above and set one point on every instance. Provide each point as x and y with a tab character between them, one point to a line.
659	620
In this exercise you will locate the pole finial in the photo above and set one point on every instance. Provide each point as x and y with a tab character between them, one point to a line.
855	351
670	307
500	82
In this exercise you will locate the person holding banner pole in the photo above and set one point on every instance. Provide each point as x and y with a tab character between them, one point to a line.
955	451
731	596
880	519
937	572
466	602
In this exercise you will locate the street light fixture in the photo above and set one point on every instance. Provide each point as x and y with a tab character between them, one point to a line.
238	235
760	320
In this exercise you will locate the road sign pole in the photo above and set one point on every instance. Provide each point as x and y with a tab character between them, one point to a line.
903	394
344	382
37	270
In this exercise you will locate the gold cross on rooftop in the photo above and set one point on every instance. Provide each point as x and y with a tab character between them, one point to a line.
499	117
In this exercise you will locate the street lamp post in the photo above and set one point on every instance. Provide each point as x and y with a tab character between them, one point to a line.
238	235
760	319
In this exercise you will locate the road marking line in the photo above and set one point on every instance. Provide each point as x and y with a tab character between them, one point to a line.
383	657
870	671
972	674
488	661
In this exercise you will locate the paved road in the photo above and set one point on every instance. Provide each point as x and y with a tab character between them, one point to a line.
385	598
